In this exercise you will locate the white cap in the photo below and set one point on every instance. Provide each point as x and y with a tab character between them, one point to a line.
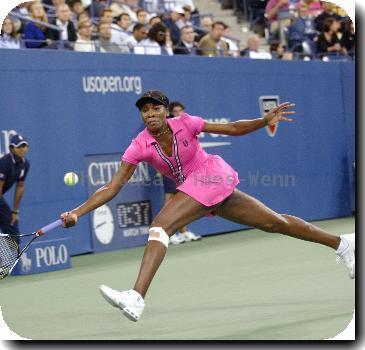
178	9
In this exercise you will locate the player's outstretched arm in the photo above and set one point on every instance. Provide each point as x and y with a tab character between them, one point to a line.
101	196
242	127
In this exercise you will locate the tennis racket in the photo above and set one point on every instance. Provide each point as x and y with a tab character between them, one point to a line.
10	252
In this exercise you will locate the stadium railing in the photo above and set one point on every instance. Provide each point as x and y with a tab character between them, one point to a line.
60	44
30	19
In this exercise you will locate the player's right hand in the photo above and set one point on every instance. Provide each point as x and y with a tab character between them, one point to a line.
69	219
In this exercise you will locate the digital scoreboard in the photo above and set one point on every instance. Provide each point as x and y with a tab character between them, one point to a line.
134	214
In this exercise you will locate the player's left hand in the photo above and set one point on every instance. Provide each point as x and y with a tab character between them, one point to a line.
279	113
14	219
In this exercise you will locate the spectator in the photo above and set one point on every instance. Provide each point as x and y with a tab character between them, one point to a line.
106	15
120	33
135	43
279	51
76	8
195	15
288	56
184	234
171	22
95	7
328	12
301	32
252	50
155	44
63	20
154	20
232	44
189	3
9	38
124	22
51	10
14	168
212	43
142	16
35	34
83	16
187	44
348	35
186	19
176	108
314	7
84	43
105	36
328	41
272	10
206	25
119	6
256	10
22	10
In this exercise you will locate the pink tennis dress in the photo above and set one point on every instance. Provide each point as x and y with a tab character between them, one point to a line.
205	177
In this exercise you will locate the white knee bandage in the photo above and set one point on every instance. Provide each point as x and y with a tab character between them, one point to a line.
158	234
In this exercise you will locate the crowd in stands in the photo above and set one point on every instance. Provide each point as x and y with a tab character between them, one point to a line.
299	29
304	29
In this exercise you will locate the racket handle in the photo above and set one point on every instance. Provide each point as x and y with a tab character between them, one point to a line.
49	227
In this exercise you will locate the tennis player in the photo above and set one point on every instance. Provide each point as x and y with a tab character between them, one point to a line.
206	184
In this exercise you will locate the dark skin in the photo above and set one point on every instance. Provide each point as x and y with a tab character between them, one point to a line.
182	209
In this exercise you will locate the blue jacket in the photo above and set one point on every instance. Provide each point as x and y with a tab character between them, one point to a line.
32	32
12	170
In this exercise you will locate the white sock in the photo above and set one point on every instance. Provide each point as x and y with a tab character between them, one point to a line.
343	245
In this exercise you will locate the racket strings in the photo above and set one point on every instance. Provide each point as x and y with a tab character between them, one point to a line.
8	255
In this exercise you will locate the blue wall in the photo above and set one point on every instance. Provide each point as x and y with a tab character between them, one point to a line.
43	97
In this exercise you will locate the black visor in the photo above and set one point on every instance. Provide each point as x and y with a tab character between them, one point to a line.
155	97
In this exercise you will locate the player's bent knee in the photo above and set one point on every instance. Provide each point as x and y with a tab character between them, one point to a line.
158	234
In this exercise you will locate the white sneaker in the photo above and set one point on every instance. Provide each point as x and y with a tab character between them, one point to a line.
190	236
350	237
347	255
130	302
177	239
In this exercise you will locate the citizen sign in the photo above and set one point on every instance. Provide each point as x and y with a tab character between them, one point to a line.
100	173
51	255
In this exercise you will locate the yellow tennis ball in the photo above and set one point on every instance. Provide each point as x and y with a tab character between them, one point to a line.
71	179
